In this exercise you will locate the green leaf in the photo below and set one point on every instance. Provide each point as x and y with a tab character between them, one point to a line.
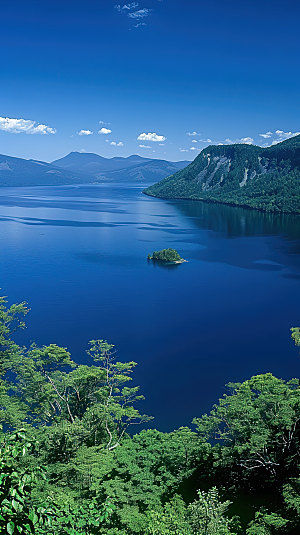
10	528
33	517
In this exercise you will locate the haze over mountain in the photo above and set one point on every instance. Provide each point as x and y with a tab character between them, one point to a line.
239	174
19	172
83	168
117	169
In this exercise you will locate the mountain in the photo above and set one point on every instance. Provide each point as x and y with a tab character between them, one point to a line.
246	175
134	168
83	168
19	172
93	163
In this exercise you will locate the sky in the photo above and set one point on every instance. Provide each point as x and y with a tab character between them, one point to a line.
159	78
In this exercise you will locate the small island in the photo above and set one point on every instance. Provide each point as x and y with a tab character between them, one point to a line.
170	256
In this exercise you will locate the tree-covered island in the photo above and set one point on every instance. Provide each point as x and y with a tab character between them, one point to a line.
167	255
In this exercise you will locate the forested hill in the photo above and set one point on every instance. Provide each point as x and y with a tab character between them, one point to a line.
245	175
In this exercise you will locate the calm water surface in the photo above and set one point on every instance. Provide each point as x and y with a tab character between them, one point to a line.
77	255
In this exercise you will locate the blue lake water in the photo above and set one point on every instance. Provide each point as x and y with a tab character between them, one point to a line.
78	256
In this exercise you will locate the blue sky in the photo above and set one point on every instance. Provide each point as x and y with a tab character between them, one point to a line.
165	78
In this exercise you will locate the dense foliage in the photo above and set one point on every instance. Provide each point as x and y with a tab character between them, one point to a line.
166	255
246	175
69	465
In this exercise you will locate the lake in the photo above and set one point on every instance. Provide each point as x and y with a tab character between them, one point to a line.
78	256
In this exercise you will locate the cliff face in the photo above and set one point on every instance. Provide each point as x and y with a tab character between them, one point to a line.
246	175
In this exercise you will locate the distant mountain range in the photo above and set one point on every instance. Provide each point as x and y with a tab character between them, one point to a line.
84	168
132	169
246	175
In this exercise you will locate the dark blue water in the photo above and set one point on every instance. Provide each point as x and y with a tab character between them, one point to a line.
77	255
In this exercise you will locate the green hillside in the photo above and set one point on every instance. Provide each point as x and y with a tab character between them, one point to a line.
246	175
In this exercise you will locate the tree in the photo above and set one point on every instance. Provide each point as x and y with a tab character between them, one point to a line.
88	517
266	523
296	335
257	425
12	411
170	519
117	410
207	514
10	321
96	395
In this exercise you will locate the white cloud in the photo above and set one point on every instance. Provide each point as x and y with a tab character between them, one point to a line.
268	134
139	14
82	150
85	133
192	134
151	137
120	144
102	122
194	141
279	136
162	144
286	135
133	5
139	24
194	148
17	126
145	147
104	131
184	150
246	140
282	136
113	143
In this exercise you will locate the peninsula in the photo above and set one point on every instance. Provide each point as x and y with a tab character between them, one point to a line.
267	179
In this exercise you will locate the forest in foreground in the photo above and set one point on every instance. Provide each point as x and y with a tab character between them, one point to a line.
71	464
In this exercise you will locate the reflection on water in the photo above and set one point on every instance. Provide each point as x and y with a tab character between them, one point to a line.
163	265
238	222
244	238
